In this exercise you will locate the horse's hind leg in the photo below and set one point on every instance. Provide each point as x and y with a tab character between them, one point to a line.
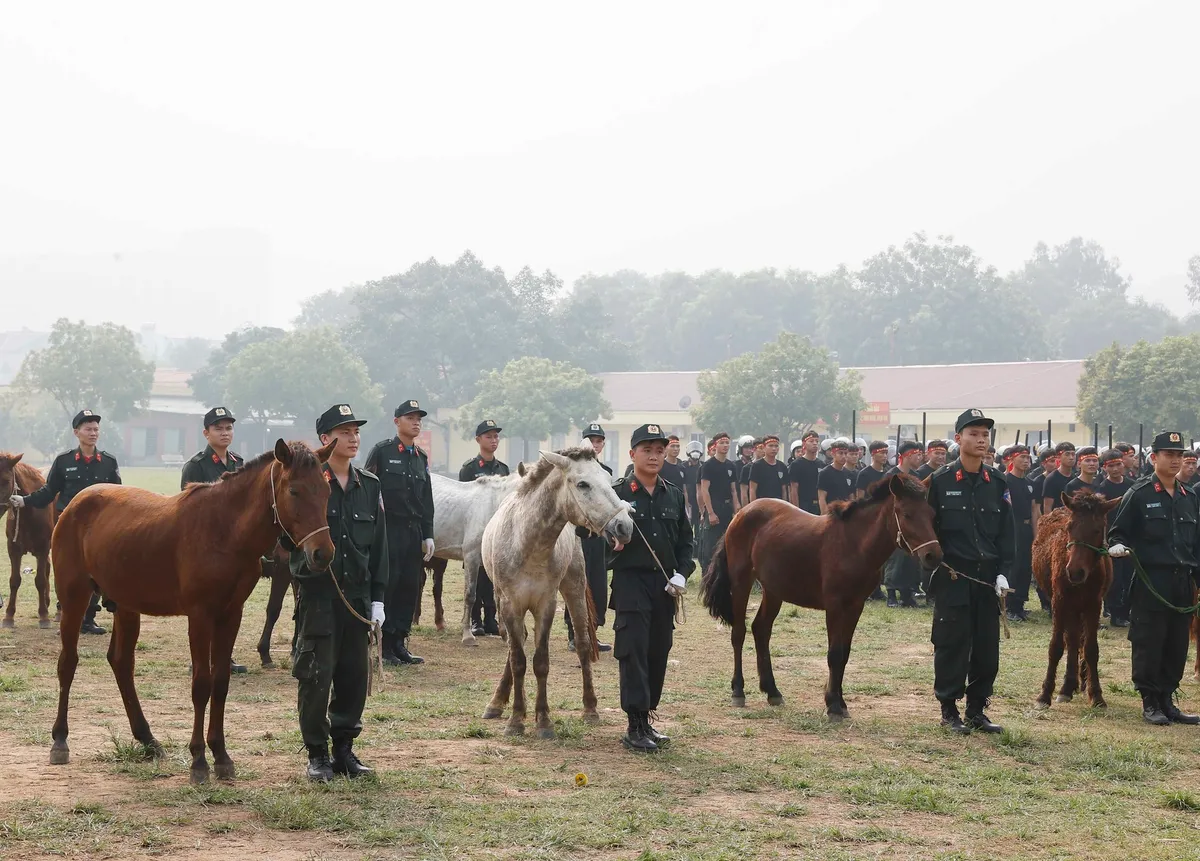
575	590
495	708
200	636
541	667
840	624
1057	637
741	581
281	578
1071	671
42	582
1091	656
74	594
121	648
224	636
764	619
14	583
439	578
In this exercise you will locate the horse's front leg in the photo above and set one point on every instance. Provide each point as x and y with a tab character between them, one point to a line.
541	667
439	578
1071	672
222	652
575	590
1057	639
200	637
14	583
840	623
1091	656
764	619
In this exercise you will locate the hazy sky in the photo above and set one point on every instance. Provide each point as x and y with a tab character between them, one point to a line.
269	151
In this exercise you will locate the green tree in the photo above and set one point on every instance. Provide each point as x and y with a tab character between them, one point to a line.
97	367
1193	280
1148	383
209	383
533	398
784	388
334	308
299	375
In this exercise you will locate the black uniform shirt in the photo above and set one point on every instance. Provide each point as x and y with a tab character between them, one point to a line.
359	536
674	473
803	473
1020	497
70	473
1160	528
404	475
1113	489
691	481
1077	483
838	484
867	476
972	516
1053	487
477	466
206	467
923	471
663	521
720	477
771	479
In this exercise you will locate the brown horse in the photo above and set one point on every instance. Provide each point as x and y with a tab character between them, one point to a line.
1076	576
828	563
196	554
28	531
436	567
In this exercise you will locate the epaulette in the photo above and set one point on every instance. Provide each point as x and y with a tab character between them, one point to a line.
420	451
941	470
1142	481
471	461
366	473
196	458
618	482
668	483
107	454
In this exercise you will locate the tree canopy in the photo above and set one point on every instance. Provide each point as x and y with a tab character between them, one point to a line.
1149	383
209	382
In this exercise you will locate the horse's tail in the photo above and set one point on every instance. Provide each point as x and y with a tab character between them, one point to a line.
716	589
591	623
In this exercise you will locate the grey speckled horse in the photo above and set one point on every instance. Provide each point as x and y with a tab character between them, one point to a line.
531	554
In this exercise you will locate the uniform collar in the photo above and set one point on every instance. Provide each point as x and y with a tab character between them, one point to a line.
411	449
79	455
210	454
355	478
636	485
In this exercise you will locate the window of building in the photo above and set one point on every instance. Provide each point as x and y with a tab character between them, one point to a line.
151	442
1071	428
612	448
137	442
172	441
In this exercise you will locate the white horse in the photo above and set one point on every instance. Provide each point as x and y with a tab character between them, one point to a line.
461	510
531	553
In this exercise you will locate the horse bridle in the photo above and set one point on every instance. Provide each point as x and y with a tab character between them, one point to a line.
902	541
1099	551
279	523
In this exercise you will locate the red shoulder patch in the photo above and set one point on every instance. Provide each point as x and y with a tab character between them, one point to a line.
215	458
958	476
633	485
1158	487
987	476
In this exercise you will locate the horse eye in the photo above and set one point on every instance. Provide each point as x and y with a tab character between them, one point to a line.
583	485
293	492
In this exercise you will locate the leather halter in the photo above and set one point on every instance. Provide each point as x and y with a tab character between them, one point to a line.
902	541
279	523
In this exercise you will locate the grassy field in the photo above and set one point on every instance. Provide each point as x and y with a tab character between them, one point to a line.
739	783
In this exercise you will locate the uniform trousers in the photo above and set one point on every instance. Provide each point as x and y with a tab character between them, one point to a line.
1022	571
645	631
406	559
484	610
1158	637
1117	600
329	653
597	579
711	535
965	637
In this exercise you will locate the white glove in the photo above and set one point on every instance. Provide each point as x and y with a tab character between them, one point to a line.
377	615
677	586
1001	585
1118	550
428	545
16	501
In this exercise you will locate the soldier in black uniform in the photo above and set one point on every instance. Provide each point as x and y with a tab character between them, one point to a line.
974	524
673	468
901	572
1113	486
769	475
487	435
1157	520
875	470
803	473
330	649
935	458
1088	461
216	460
70	473
643	593
718	496
1056	480
1020	498
403	470
593	552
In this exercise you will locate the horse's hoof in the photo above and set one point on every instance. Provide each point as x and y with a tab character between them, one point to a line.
1064	698
514	729
8	623
439	626
58	616
59	754
268	664
1041	705
836	717
775	700
1099	704
469	640
738	702
45	624
224	770
546	732
491	713
198	776
591	718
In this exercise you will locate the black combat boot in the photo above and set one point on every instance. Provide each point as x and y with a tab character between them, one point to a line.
651	733
403	655
344	760
635	737
976	719
908	599
1174	715
320	770
891	598
877	595
951	720
1152	711
389	651
89	625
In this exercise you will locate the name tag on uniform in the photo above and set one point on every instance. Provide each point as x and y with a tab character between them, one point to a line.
953	493
71	469
1154	505
394	462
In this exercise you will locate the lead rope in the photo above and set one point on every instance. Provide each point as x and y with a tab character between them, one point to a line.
1145	578
680	607
374	637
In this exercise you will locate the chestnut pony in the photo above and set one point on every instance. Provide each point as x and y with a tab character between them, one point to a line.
196	554
28	531
1071	567
828	563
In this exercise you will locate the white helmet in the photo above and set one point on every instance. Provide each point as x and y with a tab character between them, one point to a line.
861	443
826	443
796	443
744	439
694	446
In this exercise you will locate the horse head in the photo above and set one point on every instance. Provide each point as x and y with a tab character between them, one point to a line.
299	495
587	497
8	475
1086	532
914	520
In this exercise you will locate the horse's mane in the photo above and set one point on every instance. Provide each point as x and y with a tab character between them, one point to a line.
302	456
1088	502
537	473
878	493
32	474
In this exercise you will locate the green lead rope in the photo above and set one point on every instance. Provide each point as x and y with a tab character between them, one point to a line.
1145	578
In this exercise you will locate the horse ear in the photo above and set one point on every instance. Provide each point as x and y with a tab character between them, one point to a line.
1067	500
555	458
325	451
521	468
1109	504
896	485
14	459
283	452
925	481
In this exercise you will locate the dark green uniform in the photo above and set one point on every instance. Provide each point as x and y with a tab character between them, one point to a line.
408	505
483	614
645	612
974	525
1161	529
206	467
330	650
